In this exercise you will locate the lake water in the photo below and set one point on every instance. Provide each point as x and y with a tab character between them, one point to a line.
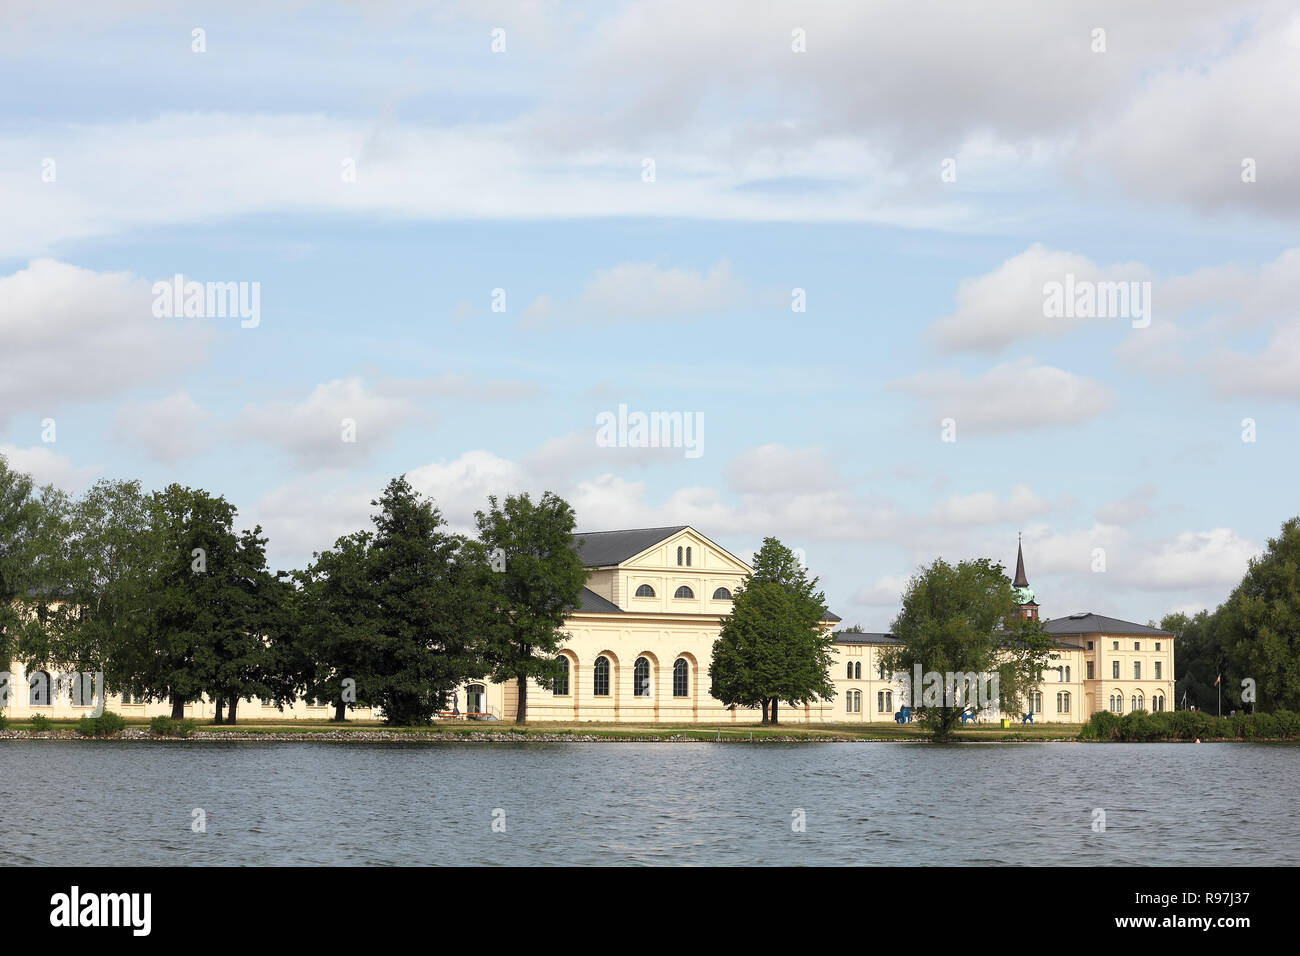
117	803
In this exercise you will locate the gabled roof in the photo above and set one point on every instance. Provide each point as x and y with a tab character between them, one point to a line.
592	603
602	549
1088	622
831	616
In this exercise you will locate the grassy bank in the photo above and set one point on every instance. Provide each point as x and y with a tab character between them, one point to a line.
604	731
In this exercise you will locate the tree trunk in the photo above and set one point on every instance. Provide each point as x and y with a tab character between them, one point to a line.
521	713
340	711
774	703
178	708
219	706
234	703
765	710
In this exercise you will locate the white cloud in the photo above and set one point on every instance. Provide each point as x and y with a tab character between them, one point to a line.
1009	397
987	508
168	429
1215	558
1007	304
71	334
638	291
313	430
47	467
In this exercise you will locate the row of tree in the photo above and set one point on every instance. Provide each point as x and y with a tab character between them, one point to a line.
1248	649
160	593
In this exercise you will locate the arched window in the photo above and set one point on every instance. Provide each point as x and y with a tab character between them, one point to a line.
849	675
679	556
684	592
1066	695
38	690
1060	675
722	594
688	557
857	670
857	701
641	677
645	590
880	669
1036	702
561	686
681	678
1138	702
1067	675
848	702
600	677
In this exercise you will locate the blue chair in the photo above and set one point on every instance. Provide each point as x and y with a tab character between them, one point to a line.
1027	719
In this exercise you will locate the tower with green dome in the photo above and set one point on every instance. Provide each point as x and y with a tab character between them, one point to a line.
1024	593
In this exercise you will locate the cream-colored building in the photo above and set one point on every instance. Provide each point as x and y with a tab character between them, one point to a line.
641	639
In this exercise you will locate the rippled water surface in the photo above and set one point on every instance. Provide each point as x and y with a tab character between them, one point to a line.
92	803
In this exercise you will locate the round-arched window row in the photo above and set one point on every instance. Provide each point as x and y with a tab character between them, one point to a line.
722	594
640	677
684	592
645	590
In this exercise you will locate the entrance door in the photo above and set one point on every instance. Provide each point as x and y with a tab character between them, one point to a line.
475	699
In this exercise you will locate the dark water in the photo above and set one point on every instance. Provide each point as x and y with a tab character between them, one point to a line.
92	803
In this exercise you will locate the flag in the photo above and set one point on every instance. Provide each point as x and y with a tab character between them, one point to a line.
1217	679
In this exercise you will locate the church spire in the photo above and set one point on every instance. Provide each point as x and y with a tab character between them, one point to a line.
1021	581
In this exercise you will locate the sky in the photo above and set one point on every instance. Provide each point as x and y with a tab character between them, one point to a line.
825	233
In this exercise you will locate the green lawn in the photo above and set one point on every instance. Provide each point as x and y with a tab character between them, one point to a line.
880	731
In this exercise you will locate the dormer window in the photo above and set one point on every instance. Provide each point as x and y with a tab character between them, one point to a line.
684	592
645	590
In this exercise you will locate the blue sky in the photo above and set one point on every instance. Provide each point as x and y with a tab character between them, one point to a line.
126	157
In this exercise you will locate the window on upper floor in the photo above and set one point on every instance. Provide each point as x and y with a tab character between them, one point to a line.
1090	645
1114	645
688	557
1157	645
679	556
1137	670
1157	670
1114	669
857	670
645	590
1091	674
1137	645
722	594
684	592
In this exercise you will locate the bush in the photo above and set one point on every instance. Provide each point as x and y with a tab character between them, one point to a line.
1137	725
4	721
166	727
39	722
105	725
108	723
162	725
1103	725
1288	723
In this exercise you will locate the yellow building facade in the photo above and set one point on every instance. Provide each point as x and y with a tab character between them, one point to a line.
639	645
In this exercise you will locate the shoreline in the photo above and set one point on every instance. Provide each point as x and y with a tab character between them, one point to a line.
490	737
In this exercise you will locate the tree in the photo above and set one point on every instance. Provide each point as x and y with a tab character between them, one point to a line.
534	577
960	620
333	610
1259	624
423	584
773	646
30	529
190	587
1199	658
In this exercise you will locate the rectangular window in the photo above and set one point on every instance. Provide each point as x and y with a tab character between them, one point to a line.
1157	670
1114	645
1090	645
1090	670
1137	670
1157	645
1114	669
1137	645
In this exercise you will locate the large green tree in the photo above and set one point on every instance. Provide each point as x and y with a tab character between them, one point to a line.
1199	658
333	607
963	619
425	587
31	523
773	646
534	577
1259	625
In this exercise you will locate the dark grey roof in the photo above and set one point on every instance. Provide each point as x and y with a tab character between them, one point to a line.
592	603
857	637
831	616
600	549
1089	623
